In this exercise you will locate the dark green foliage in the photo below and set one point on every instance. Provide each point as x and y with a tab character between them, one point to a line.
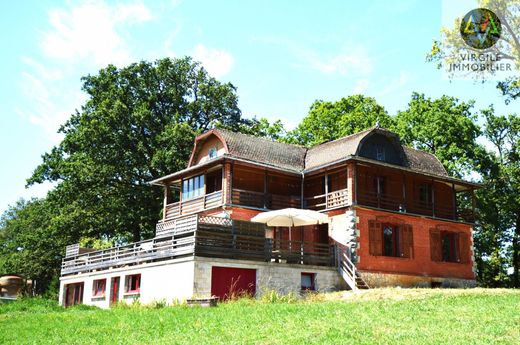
445	127
331	120
137	125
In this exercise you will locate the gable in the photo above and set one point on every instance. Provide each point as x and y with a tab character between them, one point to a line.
205	146
381	147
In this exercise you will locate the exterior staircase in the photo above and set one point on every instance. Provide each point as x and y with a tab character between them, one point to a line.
349	272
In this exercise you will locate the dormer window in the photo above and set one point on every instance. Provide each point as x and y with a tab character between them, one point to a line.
380	153
212	153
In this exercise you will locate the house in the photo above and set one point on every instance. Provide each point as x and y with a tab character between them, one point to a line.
396	218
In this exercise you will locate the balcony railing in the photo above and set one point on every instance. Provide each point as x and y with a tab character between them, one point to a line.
261	200
389	202
335	199
194	205
204	236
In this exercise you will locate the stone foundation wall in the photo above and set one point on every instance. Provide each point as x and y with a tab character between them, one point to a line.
284	278
375	279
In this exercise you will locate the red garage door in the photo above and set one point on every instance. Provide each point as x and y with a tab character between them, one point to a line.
228	282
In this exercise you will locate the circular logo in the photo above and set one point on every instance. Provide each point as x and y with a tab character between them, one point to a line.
480	28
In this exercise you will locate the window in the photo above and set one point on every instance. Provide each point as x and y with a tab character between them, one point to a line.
425	194
380	152
212	153
379	185
214	181
133	283
449	246
193	187
307	281
389	239
98	288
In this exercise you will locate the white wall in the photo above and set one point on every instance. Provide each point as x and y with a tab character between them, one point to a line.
168	280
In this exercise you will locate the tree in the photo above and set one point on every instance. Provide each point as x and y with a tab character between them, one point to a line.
444	127
450	48
263	128
500	199
331	120
138	124
32	242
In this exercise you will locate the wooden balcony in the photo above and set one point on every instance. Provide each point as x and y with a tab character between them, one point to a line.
203	236
332	200
267	201
194	205
398	204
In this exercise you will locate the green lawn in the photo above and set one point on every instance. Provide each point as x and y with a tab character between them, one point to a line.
386	316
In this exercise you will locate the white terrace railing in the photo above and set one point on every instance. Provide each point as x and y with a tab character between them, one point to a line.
134	253
173	239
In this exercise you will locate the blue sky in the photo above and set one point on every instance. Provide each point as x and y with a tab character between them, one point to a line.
282	55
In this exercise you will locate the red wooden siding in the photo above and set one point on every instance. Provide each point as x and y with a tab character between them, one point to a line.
227	282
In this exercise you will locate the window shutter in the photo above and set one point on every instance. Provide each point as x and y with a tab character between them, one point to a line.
407	241
464	252
435	245
374	238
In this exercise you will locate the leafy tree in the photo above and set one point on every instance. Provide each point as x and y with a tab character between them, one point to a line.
499	201
137	125
445	127
507	47
331	120
32	242
263	128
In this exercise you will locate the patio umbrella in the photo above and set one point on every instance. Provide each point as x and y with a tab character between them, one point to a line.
290	217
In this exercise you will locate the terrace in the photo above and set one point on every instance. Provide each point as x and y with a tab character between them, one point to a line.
202	236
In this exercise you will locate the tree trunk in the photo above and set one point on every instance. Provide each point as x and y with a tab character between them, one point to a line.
516	253
136	233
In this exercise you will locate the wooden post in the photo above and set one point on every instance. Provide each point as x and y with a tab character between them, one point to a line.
302	192
378	180
404	192
230	182
354	195
454	201
473	204
223	183
326	190
433	198
166	199
265	189
181	196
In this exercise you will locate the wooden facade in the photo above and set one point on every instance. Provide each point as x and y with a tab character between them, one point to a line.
395	210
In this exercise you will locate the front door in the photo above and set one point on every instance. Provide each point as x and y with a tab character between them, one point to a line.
73	294
114	291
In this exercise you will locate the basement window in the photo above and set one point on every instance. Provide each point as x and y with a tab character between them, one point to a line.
307	281
99	287
133	283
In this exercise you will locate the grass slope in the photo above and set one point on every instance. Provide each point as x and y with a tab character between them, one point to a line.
380	316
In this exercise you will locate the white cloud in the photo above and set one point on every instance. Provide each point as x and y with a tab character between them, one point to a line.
216	61
351	59
361	86
89	31
354	61
50	102
81	37
404	78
